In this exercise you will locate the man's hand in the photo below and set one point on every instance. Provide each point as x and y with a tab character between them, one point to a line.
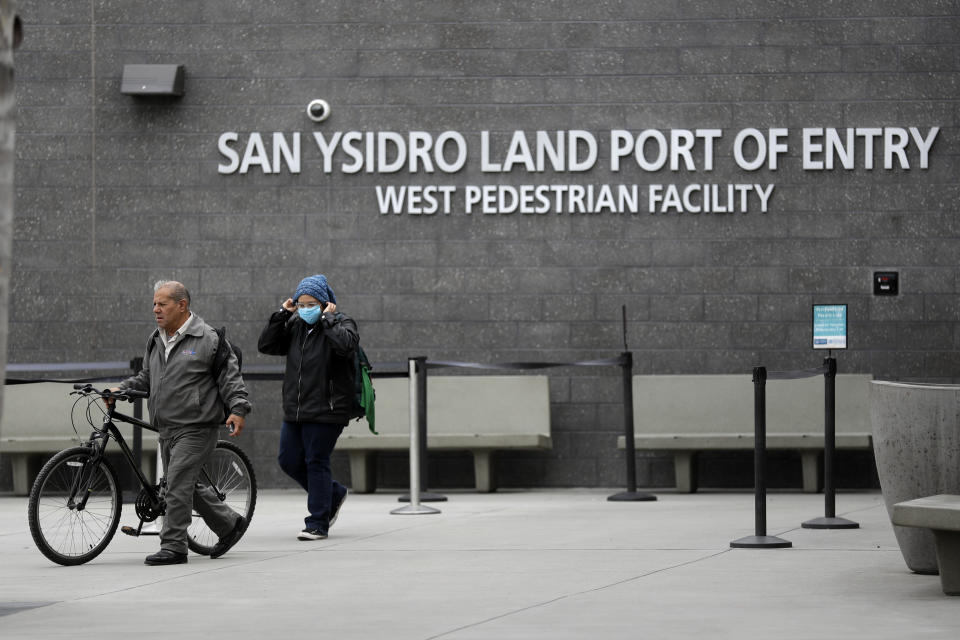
235	423
330	308
111	401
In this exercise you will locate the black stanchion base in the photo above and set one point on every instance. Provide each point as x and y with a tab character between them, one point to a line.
631	496
761	542
425	496
830	523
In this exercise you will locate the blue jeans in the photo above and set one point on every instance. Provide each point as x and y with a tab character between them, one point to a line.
305	449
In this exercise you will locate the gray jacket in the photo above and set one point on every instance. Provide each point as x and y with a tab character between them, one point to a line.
183	390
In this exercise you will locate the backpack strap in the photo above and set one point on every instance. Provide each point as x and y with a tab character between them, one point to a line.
152	343
221	354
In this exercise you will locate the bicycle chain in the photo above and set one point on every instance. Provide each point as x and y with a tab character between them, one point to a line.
146	510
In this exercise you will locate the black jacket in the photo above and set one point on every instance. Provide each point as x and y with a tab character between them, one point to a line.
318	385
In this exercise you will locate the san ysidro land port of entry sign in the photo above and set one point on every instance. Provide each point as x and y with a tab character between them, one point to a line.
561	172
829	326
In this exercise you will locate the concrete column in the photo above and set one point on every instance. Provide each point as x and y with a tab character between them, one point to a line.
9	38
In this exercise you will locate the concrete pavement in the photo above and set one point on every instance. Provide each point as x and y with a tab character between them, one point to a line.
514	564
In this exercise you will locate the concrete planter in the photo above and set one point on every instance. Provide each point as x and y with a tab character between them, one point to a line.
916	442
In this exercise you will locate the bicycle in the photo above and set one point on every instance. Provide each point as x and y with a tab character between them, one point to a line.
75	502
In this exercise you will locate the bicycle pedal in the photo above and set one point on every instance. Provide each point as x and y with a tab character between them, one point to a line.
130	531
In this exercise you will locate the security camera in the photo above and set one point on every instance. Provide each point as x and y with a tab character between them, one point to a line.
318	110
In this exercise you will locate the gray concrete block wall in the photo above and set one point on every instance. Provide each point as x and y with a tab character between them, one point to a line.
114	192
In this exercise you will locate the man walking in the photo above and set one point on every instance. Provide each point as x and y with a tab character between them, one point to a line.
187	400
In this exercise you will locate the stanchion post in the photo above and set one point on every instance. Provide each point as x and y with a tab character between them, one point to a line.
760	450
425	496
149	528
760	539
829	519
414	508
631	494
136	365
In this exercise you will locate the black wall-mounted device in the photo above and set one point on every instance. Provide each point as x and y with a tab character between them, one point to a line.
886	283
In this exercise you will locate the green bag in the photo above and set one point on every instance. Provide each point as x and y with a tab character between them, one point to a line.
364	395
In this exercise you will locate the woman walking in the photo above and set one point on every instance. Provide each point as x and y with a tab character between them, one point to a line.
318	387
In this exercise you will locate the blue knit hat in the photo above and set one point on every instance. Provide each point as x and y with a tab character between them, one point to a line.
317	287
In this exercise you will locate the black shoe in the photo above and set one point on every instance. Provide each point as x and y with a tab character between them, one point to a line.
311	534
336	509
226	542
165	556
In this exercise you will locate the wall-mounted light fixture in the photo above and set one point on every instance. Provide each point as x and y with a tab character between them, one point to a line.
318	110
152	80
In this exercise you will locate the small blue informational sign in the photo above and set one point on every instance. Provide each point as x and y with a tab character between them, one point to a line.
829	326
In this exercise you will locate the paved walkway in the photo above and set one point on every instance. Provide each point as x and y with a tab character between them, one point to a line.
523	564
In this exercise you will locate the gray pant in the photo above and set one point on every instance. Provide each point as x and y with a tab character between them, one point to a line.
184	451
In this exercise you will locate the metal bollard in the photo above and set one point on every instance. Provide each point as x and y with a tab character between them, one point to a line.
414	507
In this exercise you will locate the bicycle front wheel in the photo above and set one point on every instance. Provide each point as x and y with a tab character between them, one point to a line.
229	475
63	532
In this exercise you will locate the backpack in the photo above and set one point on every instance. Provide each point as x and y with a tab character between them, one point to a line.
363	392
220	357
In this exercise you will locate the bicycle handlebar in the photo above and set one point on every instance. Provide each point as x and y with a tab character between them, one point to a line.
120	394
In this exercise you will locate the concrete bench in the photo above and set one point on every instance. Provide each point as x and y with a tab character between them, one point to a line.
481	414
36	424
686	414
940	514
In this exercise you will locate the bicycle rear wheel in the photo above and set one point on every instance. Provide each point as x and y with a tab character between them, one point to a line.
63	533
230	475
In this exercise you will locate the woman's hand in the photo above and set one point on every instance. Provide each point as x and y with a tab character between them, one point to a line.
289	306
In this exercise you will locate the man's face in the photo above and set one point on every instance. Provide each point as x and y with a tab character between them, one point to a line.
170	315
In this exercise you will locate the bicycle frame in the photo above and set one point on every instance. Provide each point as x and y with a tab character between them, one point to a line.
99	439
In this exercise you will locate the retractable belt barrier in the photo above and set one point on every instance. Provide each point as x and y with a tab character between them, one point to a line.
760	539
417	374
624	361
799	374
619	361
276	371
418	368
53	367
17	381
